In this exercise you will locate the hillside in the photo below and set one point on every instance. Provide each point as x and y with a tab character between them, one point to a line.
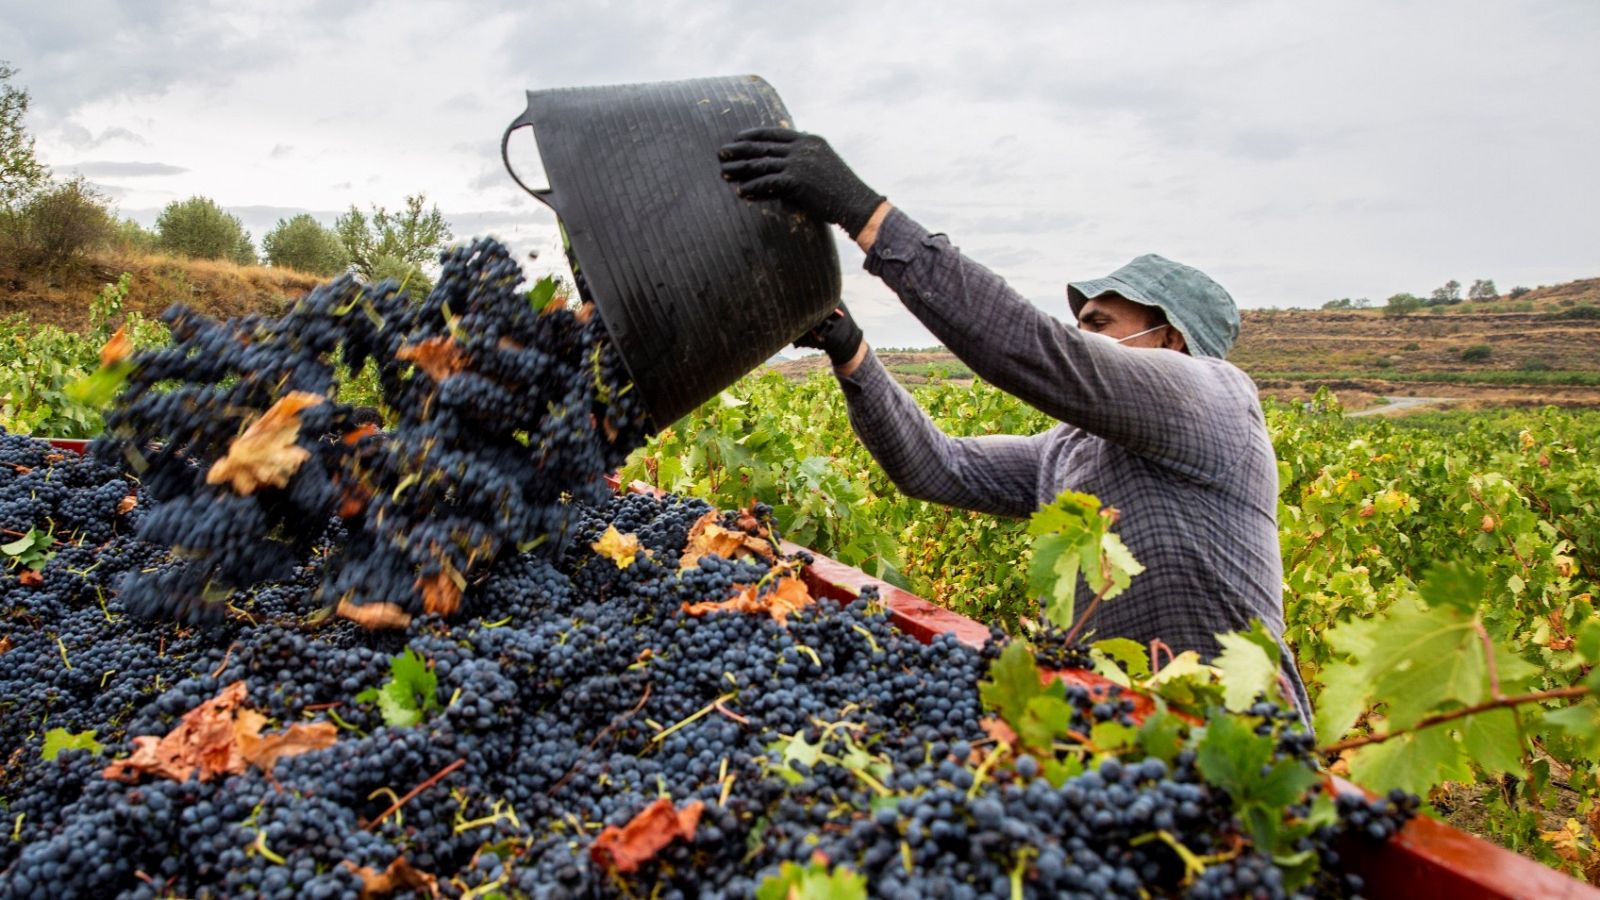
62	296
1542	348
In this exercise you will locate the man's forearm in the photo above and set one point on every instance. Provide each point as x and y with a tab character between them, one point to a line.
869	232
849	368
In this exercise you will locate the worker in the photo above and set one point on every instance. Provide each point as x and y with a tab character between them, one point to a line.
1155	421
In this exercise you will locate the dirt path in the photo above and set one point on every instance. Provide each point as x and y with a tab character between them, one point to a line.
1397	405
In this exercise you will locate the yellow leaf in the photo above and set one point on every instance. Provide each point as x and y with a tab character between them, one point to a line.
620	548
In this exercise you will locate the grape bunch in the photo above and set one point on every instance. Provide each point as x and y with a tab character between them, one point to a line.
502	415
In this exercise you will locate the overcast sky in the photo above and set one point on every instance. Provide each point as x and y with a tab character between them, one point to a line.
1295	151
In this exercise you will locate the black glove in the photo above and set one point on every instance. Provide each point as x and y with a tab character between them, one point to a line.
784	164
837	335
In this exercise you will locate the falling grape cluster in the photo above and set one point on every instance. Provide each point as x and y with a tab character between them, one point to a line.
493	751
503	409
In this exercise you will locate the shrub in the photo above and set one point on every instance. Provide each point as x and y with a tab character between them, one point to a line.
1383	362
198	227
302	243
1518	291
131	237
1402	304
1412	346
1477	353
1536	364
63	221
1585	312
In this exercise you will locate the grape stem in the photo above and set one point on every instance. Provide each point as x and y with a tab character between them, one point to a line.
433	780
1072	634
1501	702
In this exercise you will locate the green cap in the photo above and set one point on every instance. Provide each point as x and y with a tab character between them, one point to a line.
1198	307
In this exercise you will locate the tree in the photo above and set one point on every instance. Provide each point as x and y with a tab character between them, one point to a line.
1519	291
1483	289
65	220
302	243
1361	303
198	227
1402	304
131	237
413	237
21	173
1448	293
1341	303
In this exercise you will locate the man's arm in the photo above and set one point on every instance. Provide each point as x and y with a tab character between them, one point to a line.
1159	403
995	474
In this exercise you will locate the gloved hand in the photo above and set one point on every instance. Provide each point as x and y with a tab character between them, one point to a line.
781	163
837	335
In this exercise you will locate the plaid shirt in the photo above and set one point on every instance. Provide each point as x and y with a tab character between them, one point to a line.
1177	443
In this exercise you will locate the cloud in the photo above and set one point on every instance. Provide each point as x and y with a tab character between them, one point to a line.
114	169
80	138
280	151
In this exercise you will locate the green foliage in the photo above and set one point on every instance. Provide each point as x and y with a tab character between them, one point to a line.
131	237
1073	536
303	243
61	222
1483	289
21	173
59	739
393	244
1402	304
199	228
816	880
410	694
1477	353
1519	291
31	551
1448	294
1585	312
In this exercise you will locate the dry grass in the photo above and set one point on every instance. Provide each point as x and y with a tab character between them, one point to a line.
61	296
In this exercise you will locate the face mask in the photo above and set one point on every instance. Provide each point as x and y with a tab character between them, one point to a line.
1106	337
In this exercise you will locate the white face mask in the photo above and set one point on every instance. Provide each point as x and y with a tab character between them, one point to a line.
1129	337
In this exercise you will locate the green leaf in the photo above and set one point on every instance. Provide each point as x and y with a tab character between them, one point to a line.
1493	741
1135	661
1454	584
19	546
1117	565
1589	642
542	292
59	739
1012	683
410	693
1247	671
1415	762
1233	757
814	881
1161	735
1112	736
1422	658
1053	575
1581	723
98	387
1045	719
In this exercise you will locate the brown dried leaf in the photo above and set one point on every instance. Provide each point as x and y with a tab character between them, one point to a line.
627	848
374	615
620	548
202	741
266	454
126	504
708	536
5	645
440	357
788	595
998	730
30	578
441	593
264	752
400	876
117	349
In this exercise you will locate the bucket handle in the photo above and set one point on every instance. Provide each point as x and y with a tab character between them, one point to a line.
523	121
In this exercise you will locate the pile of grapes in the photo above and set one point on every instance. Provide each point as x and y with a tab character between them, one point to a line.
628	696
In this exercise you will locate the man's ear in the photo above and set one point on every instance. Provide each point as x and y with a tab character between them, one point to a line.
1174	340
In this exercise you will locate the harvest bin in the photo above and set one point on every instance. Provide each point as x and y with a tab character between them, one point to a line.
1428	859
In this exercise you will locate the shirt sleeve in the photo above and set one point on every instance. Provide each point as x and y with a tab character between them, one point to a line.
1163	405
997	474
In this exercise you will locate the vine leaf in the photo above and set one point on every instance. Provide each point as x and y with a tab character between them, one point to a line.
813	881
1249	668
374	615
1233	757
1415	762
410	693
1072	536
59	739
707	536
441	592
439	357
627	848
399	876
788	595
620	548
266	455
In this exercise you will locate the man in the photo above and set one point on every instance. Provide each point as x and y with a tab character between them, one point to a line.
1155	422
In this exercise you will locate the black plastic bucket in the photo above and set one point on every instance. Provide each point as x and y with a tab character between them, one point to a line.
695	286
